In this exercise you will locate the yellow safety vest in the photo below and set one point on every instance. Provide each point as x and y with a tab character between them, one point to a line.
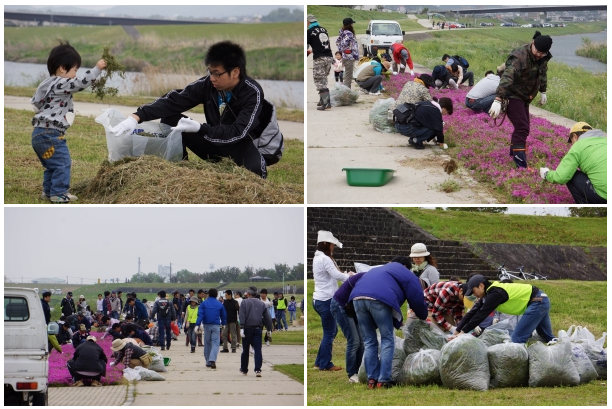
282	304
518	297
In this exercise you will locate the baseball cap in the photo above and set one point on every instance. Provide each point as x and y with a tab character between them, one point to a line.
311	18
578	127
82	327
92	338
347	21
475	281
70	293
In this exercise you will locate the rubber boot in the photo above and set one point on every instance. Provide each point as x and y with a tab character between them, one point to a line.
518	155
320	100
325	102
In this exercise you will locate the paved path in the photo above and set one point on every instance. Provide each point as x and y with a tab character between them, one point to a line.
189	382
290	130
88	396
343	137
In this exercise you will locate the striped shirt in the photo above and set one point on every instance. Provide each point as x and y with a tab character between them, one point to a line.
443	298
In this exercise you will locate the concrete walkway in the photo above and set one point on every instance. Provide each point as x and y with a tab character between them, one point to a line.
88	396
189	382
343	137
290	130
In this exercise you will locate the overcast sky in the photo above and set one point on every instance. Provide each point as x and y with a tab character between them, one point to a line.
104	242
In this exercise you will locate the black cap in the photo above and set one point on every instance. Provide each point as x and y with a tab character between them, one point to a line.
542	43
70	293
475	281
348	21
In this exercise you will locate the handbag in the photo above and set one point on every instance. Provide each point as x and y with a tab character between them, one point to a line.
146	360
404	113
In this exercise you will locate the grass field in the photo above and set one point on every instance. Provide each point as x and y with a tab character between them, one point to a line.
509	228
274	50
294	371
331	18
569	306
87	144
595	50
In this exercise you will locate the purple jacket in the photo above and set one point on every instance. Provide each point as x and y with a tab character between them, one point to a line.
344	292
392	284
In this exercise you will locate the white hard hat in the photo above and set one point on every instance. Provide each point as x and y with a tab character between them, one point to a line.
419	250
328	237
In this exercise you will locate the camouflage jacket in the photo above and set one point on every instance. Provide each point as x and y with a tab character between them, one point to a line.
524	76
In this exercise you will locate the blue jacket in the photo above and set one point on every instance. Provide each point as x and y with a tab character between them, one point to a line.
392	284
211	312
141	311
344	292
143	336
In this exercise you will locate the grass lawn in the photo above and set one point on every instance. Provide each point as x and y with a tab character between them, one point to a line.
331	18
509	228
294	371
87	144
283	114
274	50
569	306
288	337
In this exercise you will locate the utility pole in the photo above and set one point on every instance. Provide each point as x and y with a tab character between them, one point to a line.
139	266
170	272
66	279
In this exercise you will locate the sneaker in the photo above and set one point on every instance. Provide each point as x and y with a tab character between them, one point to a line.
258	374
444	146
419	145
267	343
552	342
163	349
242	372
213	365
375	93
192	350
45	196
233	350
168	347
65	198
78	383
225	350
253	351
354	379
95	383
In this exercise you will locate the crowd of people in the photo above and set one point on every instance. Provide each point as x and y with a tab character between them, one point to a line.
367	305
208	319
506	92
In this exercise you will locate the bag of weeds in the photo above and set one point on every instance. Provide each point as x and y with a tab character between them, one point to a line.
598	357
422	335
158	364
583	364
493	336
149	138
343	95
399	356
149	375
464	364
379	116
552	365
421	368
508	365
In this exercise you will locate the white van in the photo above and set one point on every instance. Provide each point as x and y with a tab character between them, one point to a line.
380	35
26	354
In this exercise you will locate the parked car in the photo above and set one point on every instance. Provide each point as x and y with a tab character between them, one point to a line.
45	290
547	25
527	25
537	25
58	291
559	25
380	34
26	354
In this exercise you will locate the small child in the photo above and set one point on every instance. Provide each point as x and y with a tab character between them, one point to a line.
292	308
338	67
52	103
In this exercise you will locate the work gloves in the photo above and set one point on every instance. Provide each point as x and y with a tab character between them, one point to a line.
125	127
543	172
187	125
477	331
495	109
412	73
394	73
543	98
242	333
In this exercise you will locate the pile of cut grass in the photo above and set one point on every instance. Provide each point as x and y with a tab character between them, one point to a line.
150	179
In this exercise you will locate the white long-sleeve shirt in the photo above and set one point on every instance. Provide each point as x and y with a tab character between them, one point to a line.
326	277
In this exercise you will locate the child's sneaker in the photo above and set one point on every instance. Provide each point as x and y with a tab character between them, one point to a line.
45	196
65	198
375	93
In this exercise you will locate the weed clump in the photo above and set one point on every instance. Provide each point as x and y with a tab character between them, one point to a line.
113	66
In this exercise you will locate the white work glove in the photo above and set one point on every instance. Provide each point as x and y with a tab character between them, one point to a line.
543	98
543	172
112	364
187	125
394	73
402	66
125	127
452	330
477	331
269	333
495	109
412	73
495	321
242	333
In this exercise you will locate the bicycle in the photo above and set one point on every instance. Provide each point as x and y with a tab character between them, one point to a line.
504	274
531	276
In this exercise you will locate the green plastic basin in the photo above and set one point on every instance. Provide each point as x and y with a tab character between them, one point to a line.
368	176
166	361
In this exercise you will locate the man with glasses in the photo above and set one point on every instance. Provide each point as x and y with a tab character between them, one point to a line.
234	105
525	74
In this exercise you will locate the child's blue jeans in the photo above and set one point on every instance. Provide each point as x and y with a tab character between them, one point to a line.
52	151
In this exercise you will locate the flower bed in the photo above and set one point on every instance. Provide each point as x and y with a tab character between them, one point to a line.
59	375
484	148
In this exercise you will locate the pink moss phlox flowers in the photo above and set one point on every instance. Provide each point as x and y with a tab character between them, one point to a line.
484	148
59	375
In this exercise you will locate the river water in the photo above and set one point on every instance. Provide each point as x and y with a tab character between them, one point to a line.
282	93
563	49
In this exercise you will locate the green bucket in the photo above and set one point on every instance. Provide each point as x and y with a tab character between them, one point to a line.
368	176
166	361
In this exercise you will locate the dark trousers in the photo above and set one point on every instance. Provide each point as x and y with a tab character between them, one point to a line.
372	84
164	333
339	76
243	153
468	76
582	190
77	376
252	337
518	114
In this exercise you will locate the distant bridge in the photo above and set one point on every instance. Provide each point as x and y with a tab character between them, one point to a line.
99	21
525	9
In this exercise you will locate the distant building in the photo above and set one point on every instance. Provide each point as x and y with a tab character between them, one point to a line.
50	280
163	271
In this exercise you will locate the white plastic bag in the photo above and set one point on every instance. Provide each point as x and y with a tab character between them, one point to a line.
583	364
464	364
362	268
343	95
421	368
379	116
508	365
552	365
131	374
168	145
149	375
